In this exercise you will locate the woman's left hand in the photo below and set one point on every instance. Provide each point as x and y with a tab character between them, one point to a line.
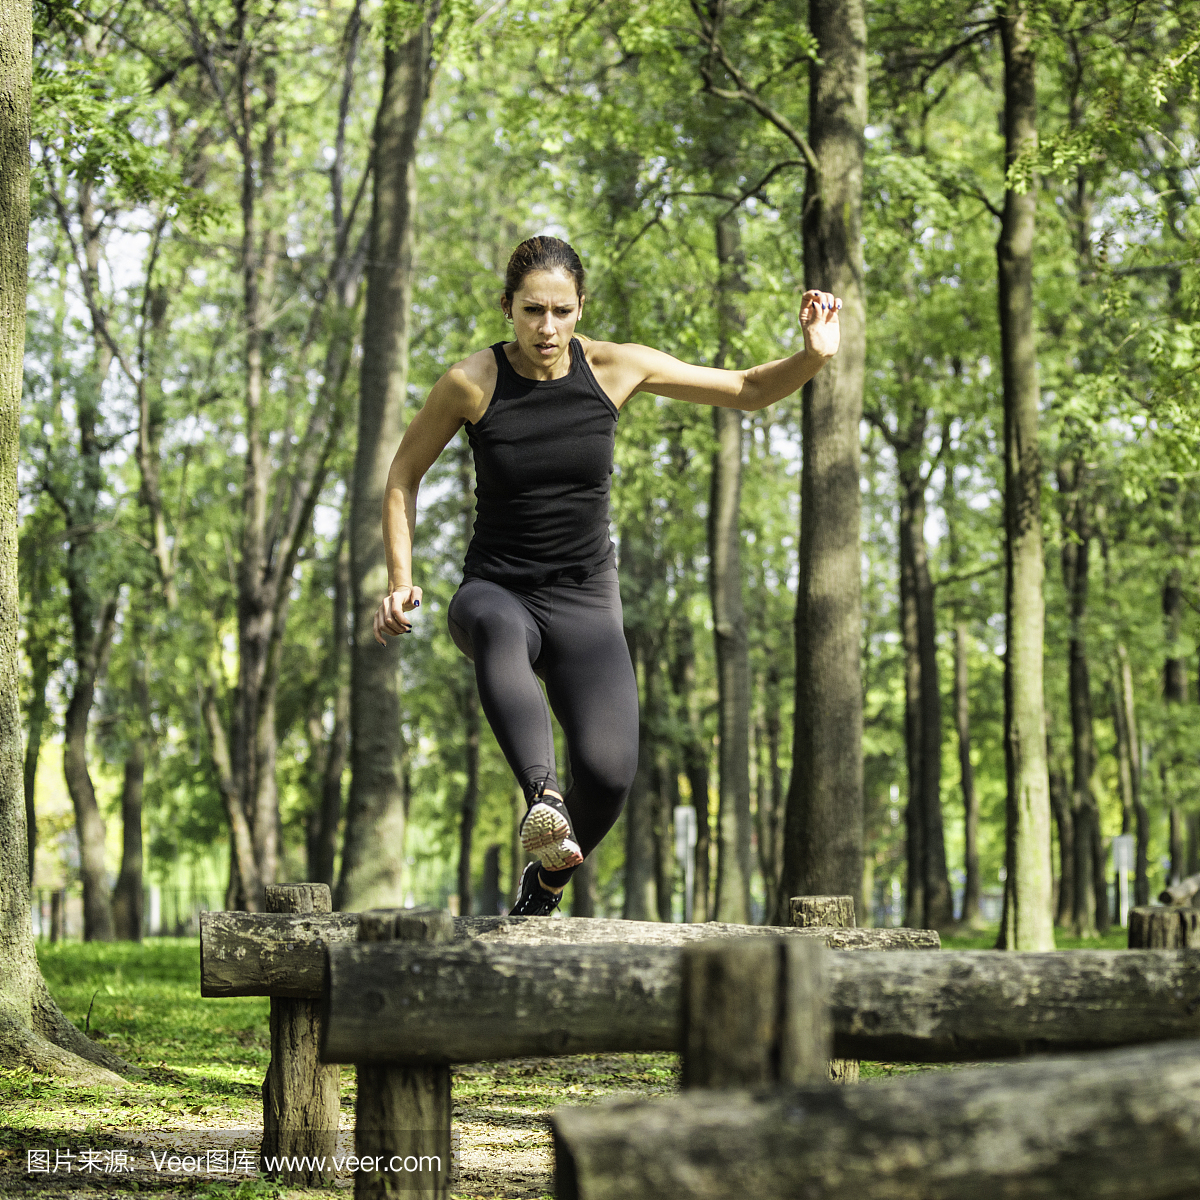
819	323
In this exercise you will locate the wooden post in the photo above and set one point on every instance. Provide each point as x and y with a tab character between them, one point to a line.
755	1013
402	1117
836	912
1154	928
300	1093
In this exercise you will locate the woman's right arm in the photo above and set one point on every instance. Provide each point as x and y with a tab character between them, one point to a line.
455	398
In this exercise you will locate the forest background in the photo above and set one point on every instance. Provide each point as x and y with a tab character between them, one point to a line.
235	307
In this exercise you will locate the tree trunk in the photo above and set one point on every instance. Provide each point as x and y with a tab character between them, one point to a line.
930	904
37	646
1028	889
33	1032
93	633
730	641
470	800
962	719
1141	885
1060	801
972	885
1174	692
325	783
373	850
695	753
640	858
128	892
823	834
1086	913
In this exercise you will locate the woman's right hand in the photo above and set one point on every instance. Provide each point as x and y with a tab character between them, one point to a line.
389	617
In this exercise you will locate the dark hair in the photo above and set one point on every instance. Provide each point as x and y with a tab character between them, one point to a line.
542	253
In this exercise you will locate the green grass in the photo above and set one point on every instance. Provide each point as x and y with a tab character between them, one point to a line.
985	939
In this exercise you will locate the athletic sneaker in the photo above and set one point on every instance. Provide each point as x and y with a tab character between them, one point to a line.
533	900
546	831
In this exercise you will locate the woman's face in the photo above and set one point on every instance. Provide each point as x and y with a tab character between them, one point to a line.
545	310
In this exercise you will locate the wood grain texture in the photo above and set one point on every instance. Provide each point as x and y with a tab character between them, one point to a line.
1123	1125
755	1013
1154	928
402	1113
837	912
978	1005
301	1094
467	1003
276	954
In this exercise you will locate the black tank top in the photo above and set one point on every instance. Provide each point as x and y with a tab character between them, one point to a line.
543	468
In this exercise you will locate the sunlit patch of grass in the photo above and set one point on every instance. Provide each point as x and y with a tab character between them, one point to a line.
985	939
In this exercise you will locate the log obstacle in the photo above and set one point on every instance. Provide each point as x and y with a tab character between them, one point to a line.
1183	892
300	1093
467	1003
281	954
755	1012
1152	927
276	954
1120	1125
402	1113
837	911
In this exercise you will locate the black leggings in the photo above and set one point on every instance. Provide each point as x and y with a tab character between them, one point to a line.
570	635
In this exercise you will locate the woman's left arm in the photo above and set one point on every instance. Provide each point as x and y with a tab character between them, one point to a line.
627	369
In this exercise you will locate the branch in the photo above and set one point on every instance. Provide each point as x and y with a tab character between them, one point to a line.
965	575
745	92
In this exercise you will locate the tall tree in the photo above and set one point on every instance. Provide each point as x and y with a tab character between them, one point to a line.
1027	923
1174	690
730	636
823	836
34	1035
1090	902
373	850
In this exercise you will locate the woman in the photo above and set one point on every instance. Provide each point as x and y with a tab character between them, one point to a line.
539	597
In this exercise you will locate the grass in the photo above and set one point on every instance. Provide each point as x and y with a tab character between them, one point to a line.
985	939
205	1060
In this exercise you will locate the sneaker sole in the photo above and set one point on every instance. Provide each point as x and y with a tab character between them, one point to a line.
543	827
561	855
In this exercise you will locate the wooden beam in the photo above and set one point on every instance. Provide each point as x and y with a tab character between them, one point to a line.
979	1005
468	1003
1122	1125
278	954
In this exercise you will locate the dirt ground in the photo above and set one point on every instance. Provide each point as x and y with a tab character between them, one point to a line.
500	1130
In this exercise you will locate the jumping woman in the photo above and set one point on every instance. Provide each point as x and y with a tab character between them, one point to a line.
539	596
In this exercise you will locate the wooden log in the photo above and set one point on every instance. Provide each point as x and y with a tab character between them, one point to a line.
1183	892
755	1013
834	911
977	1005
273	954
810	911
476	1002
268	954
402	1114
1122	1125
300	1093
1154	928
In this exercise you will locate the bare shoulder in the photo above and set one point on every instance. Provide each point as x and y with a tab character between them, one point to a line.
621	368
466	388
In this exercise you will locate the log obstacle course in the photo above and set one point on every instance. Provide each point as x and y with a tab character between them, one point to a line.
282	954
742	1010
